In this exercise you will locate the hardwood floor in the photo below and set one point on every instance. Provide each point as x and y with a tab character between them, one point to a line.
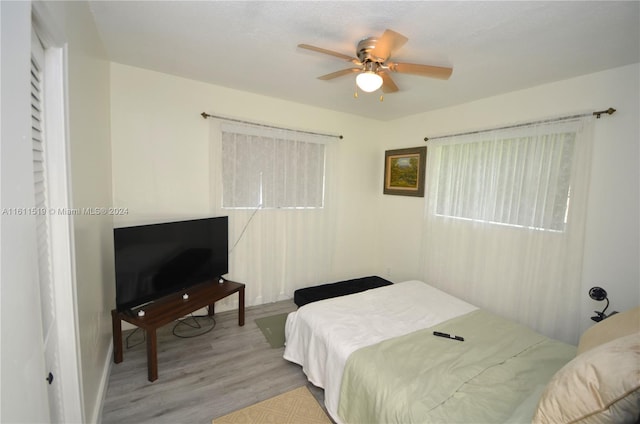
204	377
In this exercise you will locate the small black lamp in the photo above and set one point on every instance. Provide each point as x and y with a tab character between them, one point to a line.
598	293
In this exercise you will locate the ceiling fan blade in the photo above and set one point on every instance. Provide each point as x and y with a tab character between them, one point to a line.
388	86
422	70
388	43
329	52
339	73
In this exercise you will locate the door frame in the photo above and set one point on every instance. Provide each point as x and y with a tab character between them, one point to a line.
61	224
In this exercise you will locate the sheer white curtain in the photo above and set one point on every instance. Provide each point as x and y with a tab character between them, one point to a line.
277	187
504	221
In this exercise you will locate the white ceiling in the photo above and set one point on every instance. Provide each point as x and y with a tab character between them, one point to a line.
493	46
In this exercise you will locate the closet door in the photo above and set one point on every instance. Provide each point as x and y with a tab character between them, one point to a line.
50	336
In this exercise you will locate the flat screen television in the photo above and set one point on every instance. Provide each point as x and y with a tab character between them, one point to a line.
155	260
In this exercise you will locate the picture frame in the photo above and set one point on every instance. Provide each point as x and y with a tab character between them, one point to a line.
404	171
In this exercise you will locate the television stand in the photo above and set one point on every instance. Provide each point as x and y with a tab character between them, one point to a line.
168	309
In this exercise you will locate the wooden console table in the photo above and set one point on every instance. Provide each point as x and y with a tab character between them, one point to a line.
168	309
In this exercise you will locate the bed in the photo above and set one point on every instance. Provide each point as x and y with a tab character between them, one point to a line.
375	355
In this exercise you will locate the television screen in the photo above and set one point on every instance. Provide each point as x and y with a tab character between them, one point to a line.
155	260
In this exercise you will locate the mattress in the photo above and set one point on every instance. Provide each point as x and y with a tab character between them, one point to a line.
321	336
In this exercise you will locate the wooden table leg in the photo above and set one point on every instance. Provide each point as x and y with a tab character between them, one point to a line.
241	307
116	325
152	354
211	310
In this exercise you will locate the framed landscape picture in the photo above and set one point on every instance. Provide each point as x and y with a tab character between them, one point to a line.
404	171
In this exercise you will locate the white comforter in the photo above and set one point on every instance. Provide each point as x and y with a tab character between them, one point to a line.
320	336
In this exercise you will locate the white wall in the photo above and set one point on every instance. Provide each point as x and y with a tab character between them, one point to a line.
612	246
612	251
90	151
161	163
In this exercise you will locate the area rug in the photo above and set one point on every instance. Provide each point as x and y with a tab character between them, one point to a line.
295	407
273	329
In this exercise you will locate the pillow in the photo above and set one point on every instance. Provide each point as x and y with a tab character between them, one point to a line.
615	326
601	385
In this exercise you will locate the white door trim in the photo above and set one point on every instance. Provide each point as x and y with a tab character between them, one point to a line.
61	224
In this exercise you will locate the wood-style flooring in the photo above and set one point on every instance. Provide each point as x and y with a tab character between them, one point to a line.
205	377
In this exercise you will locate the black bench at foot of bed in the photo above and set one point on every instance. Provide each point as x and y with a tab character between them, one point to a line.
325	291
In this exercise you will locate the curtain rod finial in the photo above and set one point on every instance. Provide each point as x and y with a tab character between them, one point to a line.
426	139
205	115
608	112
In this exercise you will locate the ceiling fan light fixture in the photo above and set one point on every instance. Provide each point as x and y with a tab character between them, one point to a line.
373	63
369	81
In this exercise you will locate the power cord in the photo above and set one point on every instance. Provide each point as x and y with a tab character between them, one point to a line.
245	227
192	322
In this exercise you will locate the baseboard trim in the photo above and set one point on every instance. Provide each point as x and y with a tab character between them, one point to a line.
104	384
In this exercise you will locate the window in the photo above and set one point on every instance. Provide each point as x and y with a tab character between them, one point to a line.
263	167
512	179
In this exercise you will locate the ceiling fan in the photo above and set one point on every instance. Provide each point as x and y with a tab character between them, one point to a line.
373	66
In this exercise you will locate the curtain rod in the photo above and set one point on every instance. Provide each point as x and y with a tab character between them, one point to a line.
544	121
205	115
